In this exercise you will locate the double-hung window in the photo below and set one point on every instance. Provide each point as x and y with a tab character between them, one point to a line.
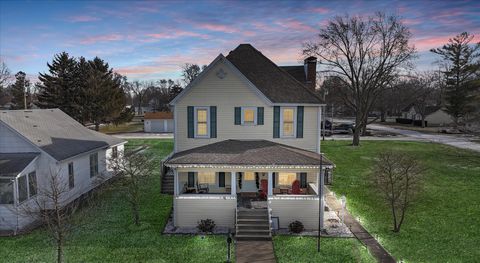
249	115
202	118
288	122
71	176
93	164
27	186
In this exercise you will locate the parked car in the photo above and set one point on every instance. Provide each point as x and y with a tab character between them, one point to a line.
344	128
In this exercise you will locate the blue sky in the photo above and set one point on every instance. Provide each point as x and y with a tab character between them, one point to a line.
152	39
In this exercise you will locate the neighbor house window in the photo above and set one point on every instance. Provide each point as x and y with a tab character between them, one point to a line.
6	192
114	152
206	177
286	178
22	188
249	116
32	184
288	122
71	176
201	122
93	164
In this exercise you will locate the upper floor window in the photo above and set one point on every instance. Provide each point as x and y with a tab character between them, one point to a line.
202	116
71	176
288	122
93	164
249	115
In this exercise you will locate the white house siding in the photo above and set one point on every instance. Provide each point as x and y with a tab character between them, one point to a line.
188	212
289	209
226	94
10	142
158	125
438	118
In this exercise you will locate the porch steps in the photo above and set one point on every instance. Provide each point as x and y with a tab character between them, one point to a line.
167	183
253	224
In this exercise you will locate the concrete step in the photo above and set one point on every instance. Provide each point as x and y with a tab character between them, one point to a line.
251	237
254	232
259	217
253	212
253	226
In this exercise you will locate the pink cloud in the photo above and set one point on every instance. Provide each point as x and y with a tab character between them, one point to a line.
101	38
218	27
175	34
425	44
295	25
321	10
82	18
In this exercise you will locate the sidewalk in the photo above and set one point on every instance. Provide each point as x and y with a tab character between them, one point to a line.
254	252
358	231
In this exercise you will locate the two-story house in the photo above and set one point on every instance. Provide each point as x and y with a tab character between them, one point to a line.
247	138
38	144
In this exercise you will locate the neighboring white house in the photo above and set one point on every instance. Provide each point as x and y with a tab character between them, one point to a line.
434	115
34	144
247	130
159	122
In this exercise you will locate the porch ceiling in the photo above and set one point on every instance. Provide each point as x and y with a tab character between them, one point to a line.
247	153
11	164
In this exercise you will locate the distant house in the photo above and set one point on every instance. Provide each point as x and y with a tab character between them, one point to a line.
158	122
434	115
34	144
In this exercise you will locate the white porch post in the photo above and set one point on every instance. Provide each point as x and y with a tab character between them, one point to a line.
322	199
233	183
270	183
175	182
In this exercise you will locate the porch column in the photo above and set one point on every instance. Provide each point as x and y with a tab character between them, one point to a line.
322	198
270	183
175	182
233	183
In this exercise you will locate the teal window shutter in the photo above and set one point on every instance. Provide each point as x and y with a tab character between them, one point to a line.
303	180
300	122
191	179
213	121
274	184
238	115
191	128
221	179
260	116
276	121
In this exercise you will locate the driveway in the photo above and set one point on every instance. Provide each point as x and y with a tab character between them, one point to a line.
143	135
451	140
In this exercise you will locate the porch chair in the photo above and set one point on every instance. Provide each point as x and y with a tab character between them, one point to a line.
263	189
295	187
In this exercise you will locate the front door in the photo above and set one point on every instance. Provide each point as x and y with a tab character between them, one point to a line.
249	183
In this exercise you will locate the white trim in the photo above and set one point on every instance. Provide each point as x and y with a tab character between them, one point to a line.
299	104
319	128
242	110
221	58
175	147
195	109
249	167
207	196
294	123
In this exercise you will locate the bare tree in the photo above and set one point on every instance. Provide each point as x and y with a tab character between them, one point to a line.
4	75
190	72
398	178
139	90
365	54
135	167
426	89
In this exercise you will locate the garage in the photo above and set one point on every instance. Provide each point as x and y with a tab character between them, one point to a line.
158	122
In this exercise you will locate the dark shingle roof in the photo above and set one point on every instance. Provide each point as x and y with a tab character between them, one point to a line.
55	132
298	72
275	83
246	152
11	164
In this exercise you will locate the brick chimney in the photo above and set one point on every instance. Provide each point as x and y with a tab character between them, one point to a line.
310	65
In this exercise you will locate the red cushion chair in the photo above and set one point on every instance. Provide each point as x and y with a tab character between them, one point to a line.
296	187
264	189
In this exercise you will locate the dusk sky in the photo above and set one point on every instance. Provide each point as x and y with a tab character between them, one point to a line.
151	40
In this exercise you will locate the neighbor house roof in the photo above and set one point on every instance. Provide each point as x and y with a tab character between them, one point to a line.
275	83
55	132
11	164
247	152
158	115
298	72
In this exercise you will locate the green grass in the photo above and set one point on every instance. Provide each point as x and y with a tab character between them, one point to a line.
106	233
304	249
125	127
443	225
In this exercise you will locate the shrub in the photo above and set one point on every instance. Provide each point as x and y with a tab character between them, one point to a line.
296	227
206	225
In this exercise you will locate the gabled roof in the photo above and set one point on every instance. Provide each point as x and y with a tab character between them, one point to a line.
158	115
298	72
11	164
55	132
247	152
275	83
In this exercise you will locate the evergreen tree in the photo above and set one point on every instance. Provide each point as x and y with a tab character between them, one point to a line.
462	64
20	91
59	89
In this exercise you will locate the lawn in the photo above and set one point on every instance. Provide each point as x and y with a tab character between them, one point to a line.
443	226
106	234
125	127
304	249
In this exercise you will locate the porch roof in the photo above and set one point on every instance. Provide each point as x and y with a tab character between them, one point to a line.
11	164
251	153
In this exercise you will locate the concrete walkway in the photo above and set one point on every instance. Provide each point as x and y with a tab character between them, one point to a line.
451	140
358	231
254	251
142	135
